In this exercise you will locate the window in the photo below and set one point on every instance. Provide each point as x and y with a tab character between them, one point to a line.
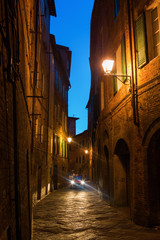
56	77
116	5
63	148
141	41
59	83
54	144
58	145
120	66
83	159
63	120
102	95
114	78
36	128
76	159
155	31
45	11
66	123
79	159
51	146
123	57
63	91
41	133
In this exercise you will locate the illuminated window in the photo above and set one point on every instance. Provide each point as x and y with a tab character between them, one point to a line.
63	120
36	128
51	145
102	95
41	136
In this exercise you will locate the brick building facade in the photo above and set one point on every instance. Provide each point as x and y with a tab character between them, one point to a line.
79	155
28	126
124	119
72	126
59	106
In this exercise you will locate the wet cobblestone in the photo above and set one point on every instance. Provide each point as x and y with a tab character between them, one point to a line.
81	214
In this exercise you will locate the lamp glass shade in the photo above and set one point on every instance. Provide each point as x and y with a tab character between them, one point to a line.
69	139
107	65
86	151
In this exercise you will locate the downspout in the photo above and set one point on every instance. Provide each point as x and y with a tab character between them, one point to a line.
34	82
48	128
133	74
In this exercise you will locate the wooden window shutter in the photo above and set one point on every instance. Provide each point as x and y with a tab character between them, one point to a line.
58	145
54	144
141	41
123	57
114	78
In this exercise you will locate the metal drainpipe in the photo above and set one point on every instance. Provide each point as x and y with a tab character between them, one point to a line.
136	122
135	62
33	99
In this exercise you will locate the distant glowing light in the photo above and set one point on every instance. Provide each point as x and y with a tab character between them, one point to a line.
82	182
107	65
86	151
72	182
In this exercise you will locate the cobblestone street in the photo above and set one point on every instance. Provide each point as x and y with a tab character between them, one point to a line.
80	214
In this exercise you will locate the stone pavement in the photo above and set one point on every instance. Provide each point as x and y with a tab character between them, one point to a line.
80	214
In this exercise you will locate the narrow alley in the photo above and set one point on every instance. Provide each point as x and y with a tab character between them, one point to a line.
68	214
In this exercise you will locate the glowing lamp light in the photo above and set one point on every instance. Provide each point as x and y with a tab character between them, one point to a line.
86	151
69	139
107	65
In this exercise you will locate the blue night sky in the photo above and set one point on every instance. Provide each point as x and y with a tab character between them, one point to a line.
71	28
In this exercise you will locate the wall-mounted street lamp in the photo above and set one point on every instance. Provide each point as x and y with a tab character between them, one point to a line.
86	151
69	139
108	66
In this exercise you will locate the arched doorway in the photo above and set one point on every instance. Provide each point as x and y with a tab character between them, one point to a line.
122	174
107	170
153	159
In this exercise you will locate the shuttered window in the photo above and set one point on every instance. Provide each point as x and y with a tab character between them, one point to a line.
58	145
54	144
141	41
123	57
114	78
155	31
64	148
